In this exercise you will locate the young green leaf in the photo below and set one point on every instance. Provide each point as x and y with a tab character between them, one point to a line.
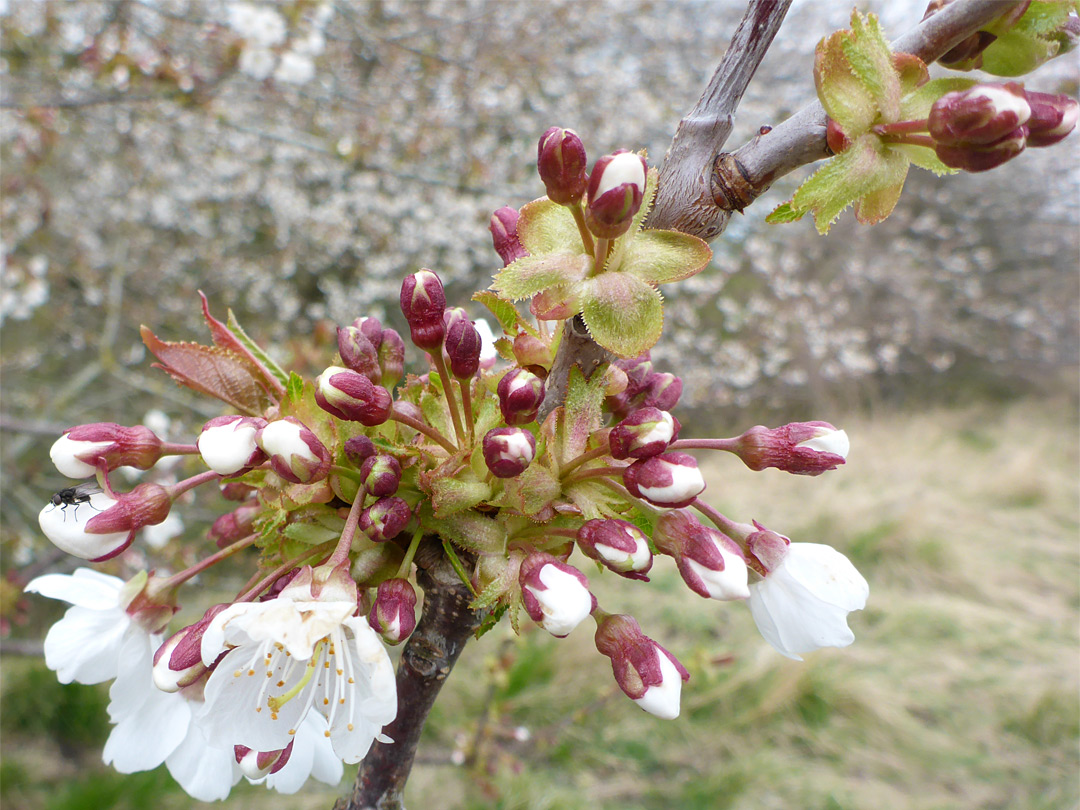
624	314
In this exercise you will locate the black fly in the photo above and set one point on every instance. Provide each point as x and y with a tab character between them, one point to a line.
74	496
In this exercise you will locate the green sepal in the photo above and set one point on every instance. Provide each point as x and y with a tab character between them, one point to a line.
661	257
469	530
253	347
294	388
310	534
531	491
450	496
508	315
581	414
490	620
595	500
783	214
530	275
1036	38
624	314
547	227
455	563
871	61
925	158
845	98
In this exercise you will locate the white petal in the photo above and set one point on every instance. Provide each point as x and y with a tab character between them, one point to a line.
662	699
294	774
624	168
373	699
227	448
833	441
85	645
726	585
827	574
65	526
204	772
86	588
565	601
63	453
487	340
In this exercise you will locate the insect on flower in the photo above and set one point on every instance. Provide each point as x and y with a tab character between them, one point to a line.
75	496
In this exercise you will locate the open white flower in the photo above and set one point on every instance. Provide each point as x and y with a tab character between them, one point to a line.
303	651
312	755
802	603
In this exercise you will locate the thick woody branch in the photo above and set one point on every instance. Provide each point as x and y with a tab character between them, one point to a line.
741	177
430	654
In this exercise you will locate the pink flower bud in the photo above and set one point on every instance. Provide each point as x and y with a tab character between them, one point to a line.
234	525
646	432
423	303
983	158
256	765
508	451
803	448
561	162
462	344
227	443
385	519
371	328
616	190
358	353
663	392
555	595
617	544
710	562
504	235
978	116
295	453
648	674
1053	117
672	480
531	351
178	662
359	449
520	394
236	491
88	523
381	475
393	614
351	396
82	450
391	358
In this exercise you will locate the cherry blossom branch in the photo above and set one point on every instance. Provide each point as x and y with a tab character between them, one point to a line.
430	654
739	178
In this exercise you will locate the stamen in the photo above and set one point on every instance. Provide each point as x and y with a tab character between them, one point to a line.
276	703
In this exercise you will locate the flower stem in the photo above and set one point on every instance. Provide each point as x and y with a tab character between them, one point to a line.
466	402
268	580
600	256
730	445
420	427
341	552
180	487
724	524
594	472
900	127
451	400
576	462
171	449
183	576
406	564
579	219
910	140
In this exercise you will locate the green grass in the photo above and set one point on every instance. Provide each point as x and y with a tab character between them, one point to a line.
959	692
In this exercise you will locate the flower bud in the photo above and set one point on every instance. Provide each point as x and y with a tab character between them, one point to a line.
978	116
648	674
616	190
508	451
520	394
1053	117
561	162
351	396
358	353
295	453
391	358
393	614
371	328
423	303
617	544
227	443
359	449
256	765
237	491
663	392
96	527
234	525
644	433
385	519
178	662
504	235
381	475
555	595
672	480
84	449
803	448
462	344
983	158
710	562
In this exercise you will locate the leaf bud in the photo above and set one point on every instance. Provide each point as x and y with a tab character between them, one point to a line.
710	562
616	190
520	394
391	358
1053	117
508	451
802	448
381	475
671	480
648	674
358	353
561	162
979	115
504	235
555	595
295	452
227	443
81	451
385	519
646	432
618	545
359	449
393	613
463	344
423	303
351	396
